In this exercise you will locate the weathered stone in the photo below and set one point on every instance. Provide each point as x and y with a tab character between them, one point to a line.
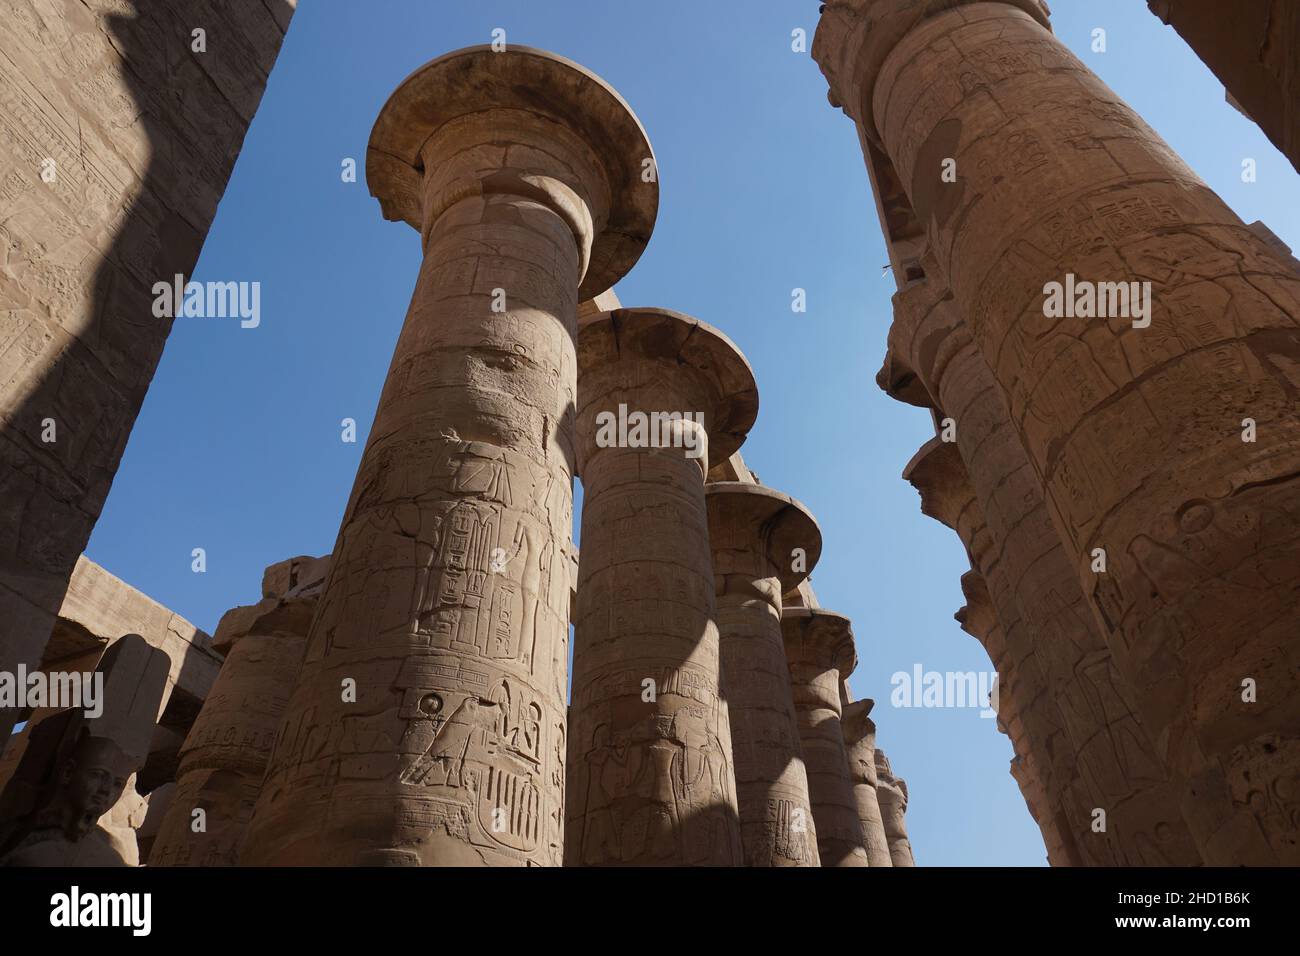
97	610
1254	50
116	142
225	755
892	793
1142	454
820	653
650	776
860	743
763	544
448	597
77	768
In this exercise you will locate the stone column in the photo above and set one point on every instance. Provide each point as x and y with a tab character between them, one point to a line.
650	776
225	754
892	792
764	543
447	603
820	654
860	743
1142	455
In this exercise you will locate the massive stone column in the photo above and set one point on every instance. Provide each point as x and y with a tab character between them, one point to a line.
650	776
1141	453
860	746
820	654
225	754
447	604
764	543
116	143
892	792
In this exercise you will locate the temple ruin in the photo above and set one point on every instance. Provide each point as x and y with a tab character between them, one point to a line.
406	700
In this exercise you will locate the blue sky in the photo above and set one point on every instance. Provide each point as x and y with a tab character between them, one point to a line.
237	449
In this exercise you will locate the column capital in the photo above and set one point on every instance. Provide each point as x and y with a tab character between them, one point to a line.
756	530
856	719
854	38
817	636
892	789
655	357
550	97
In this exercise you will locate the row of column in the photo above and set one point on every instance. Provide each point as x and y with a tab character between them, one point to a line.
426	724
1157	688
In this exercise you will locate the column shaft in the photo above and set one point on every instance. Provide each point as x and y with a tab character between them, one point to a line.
751	557
819	654
860	744
224	757
1142	454
651	780
446	608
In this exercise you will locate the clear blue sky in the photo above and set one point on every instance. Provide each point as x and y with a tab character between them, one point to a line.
237	449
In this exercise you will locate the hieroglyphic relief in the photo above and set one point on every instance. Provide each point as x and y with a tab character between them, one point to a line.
1147	432
447	606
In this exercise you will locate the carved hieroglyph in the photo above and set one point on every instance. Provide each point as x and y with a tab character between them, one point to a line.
892	793
1083	728
1135	433
224	756
650	776
764	543
820	653
860	742
447	601
116	143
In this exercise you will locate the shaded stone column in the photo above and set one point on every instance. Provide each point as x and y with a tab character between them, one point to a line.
1058	181
447	603
764	543
225	754
820	654
860	746
1055	813
650	776
892	793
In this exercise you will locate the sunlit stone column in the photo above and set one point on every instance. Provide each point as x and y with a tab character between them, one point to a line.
764	543
650	776
860	741
1161	424
820	654
224	756
892	793
447	602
